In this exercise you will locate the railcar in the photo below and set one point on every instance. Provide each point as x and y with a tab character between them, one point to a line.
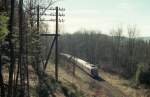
91	69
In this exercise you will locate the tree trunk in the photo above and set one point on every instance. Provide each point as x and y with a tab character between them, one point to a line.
1	79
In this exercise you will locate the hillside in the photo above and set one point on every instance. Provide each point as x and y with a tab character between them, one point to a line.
81	85
144	38
87	86
125	85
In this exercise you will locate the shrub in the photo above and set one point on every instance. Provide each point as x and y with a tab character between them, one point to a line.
142	75
3	26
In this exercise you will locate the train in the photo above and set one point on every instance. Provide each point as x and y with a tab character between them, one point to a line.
91	69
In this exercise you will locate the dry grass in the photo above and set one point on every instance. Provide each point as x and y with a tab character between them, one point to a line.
33	82
124	85
81	81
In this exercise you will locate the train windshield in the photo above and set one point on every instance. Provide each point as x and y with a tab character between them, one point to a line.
94	72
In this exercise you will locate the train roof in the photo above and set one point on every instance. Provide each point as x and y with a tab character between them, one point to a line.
86	64
80	61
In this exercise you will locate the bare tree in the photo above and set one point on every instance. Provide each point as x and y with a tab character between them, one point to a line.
116	47
132	34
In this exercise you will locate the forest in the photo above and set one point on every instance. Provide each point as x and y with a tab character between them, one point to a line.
128	56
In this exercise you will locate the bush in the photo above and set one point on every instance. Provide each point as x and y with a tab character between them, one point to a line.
142	75
3	26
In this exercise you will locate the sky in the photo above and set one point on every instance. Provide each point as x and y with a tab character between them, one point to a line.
105	15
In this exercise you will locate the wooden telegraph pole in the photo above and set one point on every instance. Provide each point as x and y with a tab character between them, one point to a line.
55	40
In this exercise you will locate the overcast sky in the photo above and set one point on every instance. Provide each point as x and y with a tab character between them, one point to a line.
105	15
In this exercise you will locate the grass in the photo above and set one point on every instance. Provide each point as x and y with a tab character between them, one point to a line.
62	88
80	83
125	85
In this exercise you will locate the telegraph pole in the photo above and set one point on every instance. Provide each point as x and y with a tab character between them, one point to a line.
56	35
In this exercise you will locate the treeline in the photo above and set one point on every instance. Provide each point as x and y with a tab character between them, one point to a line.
127	56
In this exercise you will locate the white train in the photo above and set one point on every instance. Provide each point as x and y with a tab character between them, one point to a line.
91	69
